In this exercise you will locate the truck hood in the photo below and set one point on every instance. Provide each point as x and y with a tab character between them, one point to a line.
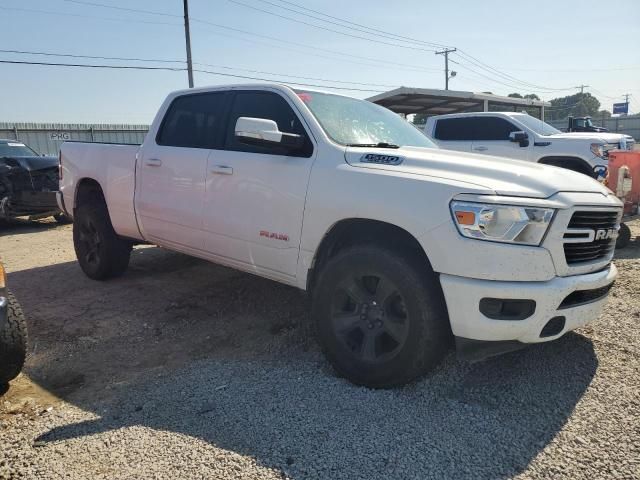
34	163
498	175
595	136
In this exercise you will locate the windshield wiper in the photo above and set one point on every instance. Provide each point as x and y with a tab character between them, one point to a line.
377	145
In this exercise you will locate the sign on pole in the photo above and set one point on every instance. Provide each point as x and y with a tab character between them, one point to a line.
621	108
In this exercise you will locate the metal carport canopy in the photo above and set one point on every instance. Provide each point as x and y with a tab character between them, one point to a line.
429	101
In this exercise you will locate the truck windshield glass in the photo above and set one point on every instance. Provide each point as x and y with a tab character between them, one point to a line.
535	124
353	122
15	149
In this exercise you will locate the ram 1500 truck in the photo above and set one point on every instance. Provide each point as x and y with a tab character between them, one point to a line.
403	247
523	137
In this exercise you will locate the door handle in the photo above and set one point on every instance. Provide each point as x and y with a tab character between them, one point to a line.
153	162
222	170
480	149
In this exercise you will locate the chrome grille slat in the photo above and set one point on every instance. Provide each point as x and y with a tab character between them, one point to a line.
576	253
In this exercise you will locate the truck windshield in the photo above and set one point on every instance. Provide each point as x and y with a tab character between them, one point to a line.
353	122
535	124
15	149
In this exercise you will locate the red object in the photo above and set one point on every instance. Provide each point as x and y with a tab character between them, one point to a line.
623	178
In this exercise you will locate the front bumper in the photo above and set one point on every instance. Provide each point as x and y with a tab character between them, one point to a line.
463	297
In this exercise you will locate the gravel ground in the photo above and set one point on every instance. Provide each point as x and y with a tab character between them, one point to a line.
183	369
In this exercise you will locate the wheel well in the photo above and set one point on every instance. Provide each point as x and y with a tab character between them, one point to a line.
570	163
360	231
88	191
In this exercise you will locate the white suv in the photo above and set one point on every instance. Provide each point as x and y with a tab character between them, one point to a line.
523	137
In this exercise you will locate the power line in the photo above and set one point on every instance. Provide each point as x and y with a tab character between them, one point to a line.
491	70
492	79
312	47
375	30
328	29
97	17
297	76
138	59
352	25
126	9
128	67
470	58
176	69
96	57
212	24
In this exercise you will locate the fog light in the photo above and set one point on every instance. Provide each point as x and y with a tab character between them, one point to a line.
507	308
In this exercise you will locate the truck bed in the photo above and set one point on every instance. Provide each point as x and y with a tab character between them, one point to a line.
113	166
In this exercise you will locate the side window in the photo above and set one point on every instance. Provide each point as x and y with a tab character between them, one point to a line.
460	129
270	106
493	128
193	121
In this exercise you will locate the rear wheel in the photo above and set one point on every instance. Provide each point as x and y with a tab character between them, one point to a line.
100	252
13	342
381	321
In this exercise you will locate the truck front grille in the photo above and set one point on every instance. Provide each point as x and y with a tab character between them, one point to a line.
582	246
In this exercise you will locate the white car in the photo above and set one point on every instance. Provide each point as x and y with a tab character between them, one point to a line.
523	137
403	247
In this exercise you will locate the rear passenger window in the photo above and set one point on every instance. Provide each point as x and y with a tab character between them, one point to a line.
193	121
270	106
474	128
454	129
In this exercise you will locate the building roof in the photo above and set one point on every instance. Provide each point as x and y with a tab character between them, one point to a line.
439	102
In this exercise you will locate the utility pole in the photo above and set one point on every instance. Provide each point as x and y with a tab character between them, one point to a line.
626	100
446	53
582	87
187	36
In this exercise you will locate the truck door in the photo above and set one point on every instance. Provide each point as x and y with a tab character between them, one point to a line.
491	137
255	195
172	170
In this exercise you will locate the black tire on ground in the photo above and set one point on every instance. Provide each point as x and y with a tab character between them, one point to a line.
380	318
61	218
100	252
13	342
624	236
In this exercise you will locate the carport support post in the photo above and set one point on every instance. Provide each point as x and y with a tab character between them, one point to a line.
485	106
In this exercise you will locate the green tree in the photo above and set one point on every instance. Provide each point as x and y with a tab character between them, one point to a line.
532	96
514	95
578	105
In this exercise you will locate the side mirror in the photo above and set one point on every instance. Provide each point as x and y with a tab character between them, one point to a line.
263	132
519	137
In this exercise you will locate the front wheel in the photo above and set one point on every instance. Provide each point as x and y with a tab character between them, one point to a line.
100	252
381	319
624	236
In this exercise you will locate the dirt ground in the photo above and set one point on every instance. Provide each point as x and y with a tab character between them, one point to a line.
91	341
169	310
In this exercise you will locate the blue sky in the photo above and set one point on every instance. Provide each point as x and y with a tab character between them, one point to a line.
551	44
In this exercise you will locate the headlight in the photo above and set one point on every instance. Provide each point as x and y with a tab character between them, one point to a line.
598	149
502	223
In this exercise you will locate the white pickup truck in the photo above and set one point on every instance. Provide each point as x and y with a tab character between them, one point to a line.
523	137
404	247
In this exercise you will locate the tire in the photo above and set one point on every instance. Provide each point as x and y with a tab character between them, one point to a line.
99	250
13	342
624	236
61	218
380	318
